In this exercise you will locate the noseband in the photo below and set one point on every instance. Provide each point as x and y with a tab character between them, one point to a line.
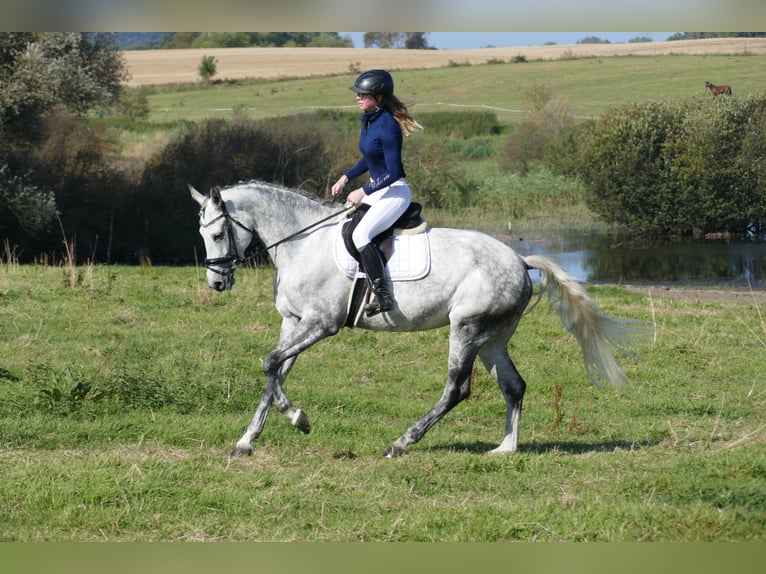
225	266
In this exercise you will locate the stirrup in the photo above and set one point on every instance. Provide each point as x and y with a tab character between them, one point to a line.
376	308
381	303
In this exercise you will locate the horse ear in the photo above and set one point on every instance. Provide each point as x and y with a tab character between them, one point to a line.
196	195
215	194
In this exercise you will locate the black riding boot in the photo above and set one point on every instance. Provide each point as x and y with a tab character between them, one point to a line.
372	261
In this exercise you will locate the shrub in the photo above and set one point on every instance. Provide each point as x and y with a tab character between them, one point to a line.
92	195
679	168
524	146
562	154
623	166
434	176
547	119
208	68
133	104
289	151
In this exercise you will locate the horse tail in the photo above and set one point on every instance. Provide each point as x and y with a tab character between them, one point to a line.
595	332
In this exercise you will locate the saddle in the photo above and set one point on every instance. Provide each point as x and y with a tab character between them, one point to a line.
410	221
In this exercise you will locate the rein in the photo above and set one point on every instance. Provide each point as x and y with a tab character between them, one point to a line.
234	259
348	209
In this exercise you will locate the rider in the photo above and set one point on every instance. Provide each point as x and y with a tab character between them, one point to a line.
387	194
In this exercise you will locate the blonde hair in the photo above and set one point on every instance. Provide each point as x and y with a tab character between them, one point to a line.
402	115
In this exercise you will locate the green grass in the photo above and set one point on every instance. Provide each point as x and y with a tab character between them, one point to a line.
120	398
591	85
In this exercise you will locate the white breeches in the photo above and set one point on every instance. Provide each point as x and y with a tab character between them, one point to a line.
386	206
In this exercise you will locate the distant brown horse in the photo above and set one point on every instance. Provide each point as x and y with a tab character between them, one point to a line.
717	90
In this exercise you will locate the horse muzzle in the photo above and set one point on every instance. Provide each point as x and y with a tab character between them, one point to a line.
221	277
219	281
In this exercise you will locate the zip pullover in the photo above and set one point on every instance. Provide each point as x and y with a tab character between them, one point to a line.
380	142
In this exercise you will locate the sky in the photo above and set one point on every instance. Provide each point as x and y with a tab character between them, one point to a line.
471	40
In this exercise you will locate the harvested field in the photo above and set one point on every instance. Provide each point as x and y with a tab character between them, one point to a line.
152	67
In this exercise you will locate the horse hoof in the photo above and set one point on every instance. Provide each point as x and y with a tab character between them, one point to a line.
393	451
238	451
300	421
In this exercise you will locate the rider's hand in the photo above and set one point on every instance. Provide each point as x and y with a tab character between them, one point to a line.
338	186
356	196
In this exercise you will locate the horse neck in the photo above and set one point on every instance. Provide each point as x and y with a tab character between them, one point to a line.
277	212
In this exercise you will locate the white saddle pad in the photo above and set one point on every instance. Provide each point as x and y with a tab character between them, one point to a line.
410	258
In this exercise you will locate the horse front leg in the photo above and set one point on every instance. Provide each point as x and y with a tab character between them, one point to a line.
458	387
296	336
244	445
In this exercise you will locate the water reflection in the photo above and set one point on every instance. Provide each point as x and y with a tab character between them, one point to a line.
603	259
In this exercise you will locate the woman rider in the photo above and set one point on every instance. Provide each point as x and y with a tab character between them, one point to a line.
387	194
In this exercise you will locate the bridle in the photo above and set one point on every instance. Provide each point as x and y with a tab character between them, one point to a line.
226	265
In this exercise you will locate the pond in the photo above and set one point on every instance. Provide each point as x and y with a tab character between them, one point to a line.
604	259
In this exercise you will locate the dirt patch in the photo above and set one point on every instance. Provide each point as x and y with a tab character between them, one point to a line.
149	67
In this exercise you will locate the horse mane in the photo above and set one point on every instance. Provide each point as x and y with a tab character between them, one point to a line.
282	189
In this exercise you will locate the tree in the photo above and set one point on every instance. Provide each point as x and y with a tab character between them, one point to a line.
414	40
40	71
592	40
32	208
207	68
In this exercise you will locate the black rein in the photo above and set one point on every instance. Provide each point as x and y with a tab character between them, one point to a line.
233	260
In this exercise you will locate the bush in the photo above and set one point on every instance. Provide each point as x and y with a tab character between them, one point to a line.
524	146
132	104
717	182
434	176
679	168
622	166
547	119
562	154
291	151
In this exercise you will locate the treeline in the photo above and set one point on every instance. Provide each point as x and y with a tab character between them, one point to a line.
180	40
666	169
705	35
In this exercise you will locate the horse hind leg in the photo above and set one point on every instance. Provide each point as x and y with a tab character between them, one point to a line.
457	388
496	360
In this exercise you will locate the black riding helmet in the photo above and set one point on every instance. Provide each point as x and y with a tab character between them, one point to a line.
375	82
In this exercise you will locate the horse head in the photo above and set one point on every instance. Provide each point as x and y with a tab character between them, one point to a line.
223	237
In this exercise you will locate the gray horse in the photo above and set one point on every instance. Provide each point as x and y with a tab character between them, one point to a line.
477	285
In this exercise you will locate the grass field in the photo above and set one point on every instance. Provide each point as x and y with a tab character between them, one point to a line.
123	391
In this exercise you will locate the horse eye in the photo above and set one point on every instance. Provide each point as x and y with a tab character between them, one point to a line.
218	237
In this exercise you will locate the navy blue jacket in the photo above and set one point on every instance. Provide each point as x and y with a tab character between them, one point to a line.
381	145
